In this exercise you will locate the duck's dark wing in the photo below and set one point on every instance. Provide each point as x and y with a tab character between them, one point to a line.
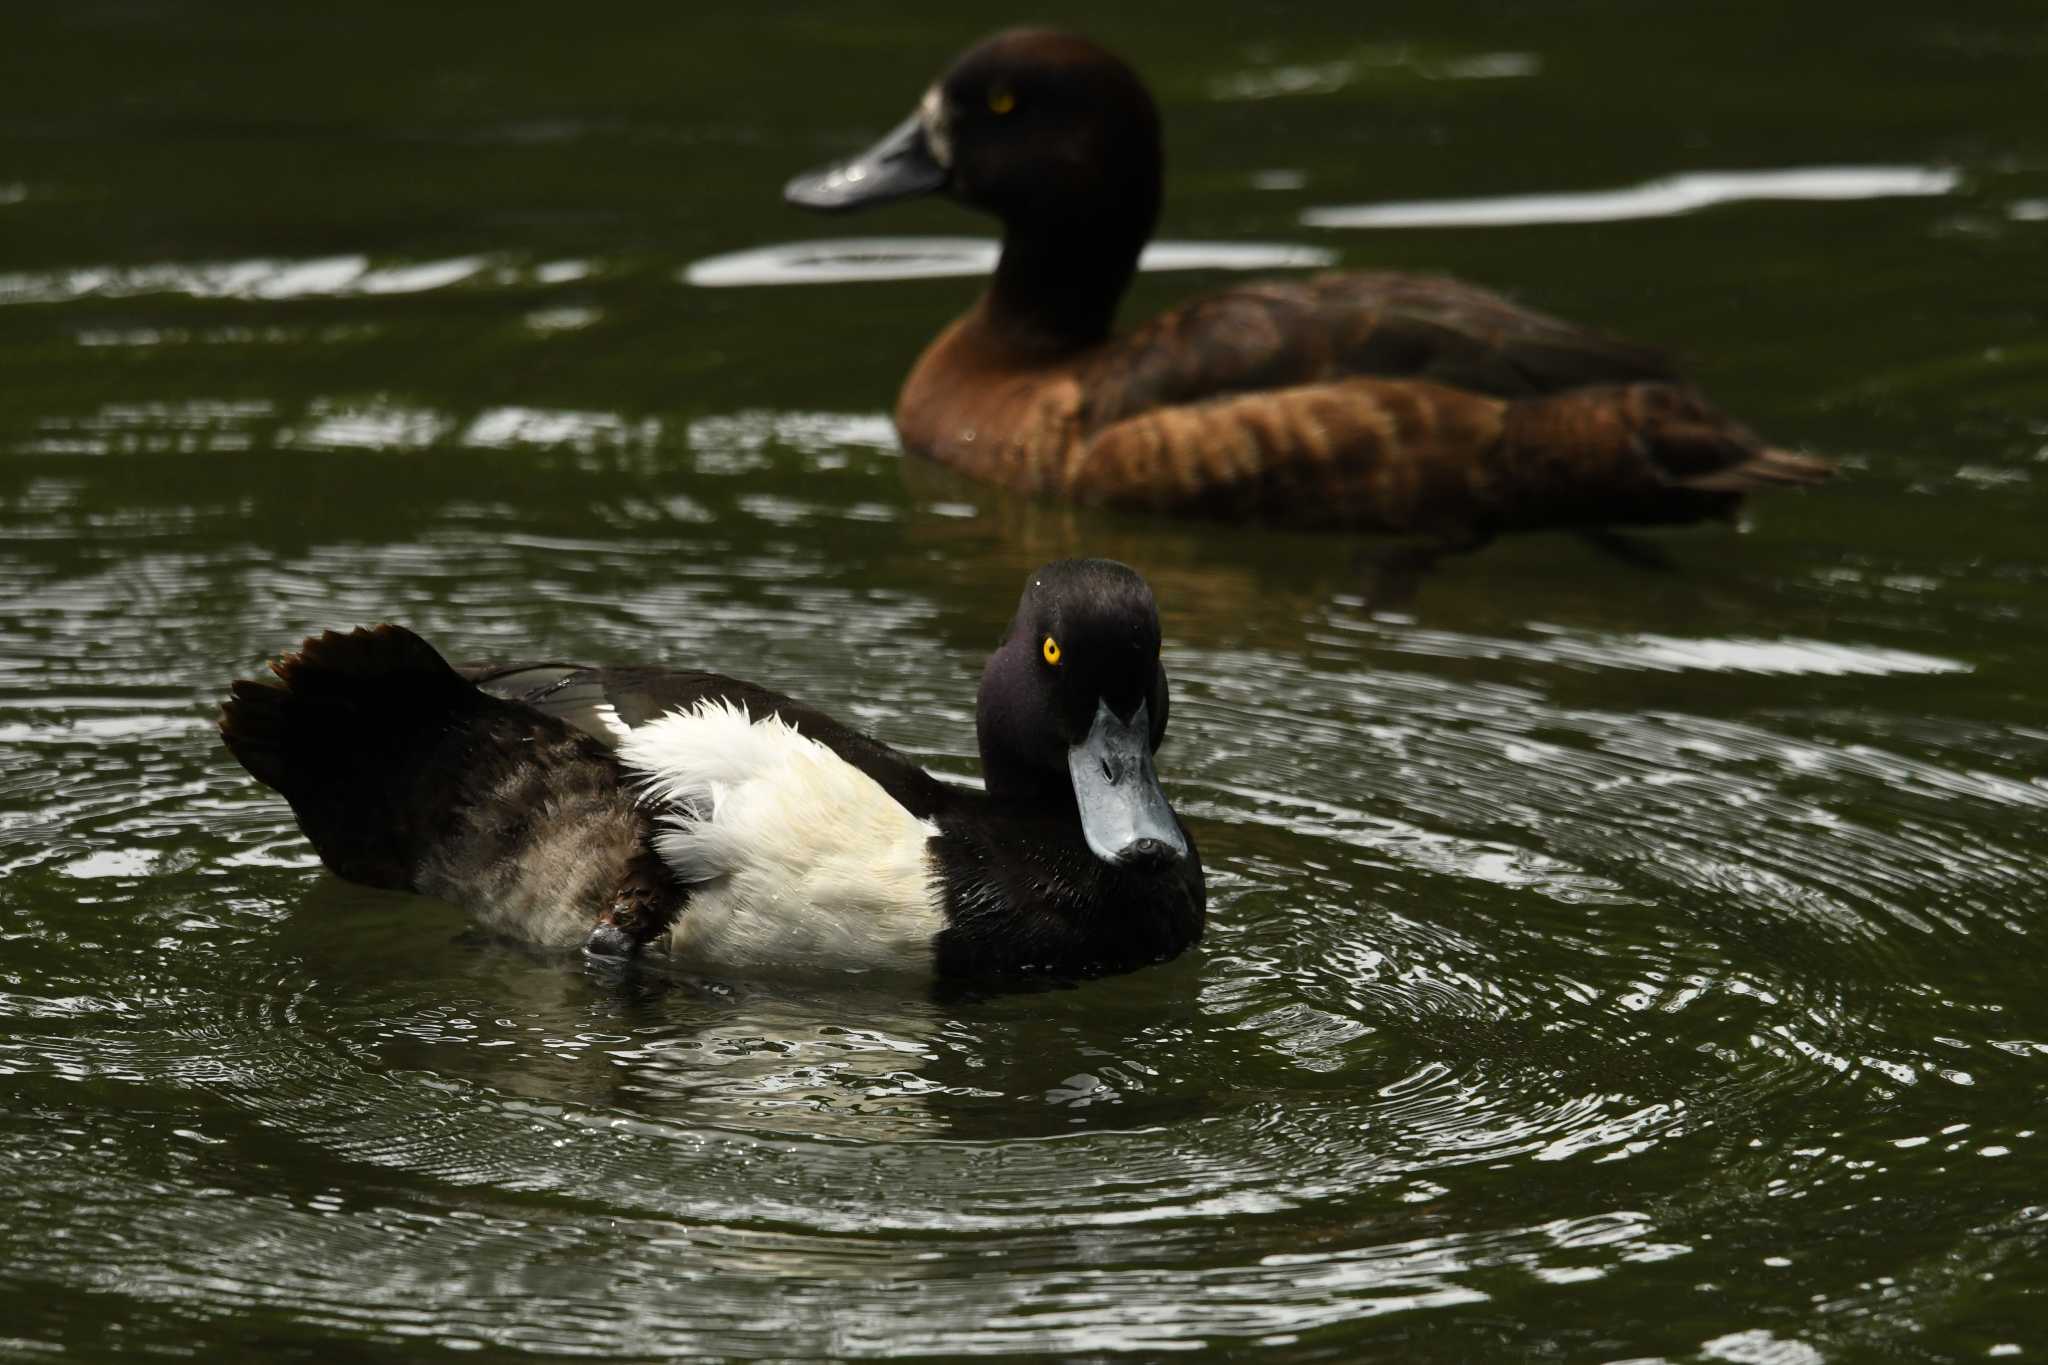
1409	456
606	703
1277	334
406	776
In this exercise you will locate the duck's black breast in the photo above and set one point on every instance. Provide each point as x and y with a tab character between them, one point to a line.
1023	894
610	702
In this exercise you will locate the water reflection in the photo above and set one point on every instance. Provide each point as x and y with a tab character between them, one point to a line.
1369	64
1479	921
1665	198
278	279
1603	966
848	259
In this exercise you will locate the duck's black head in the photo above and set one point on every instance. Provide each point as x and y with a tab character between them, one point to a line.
1073	704
1051	134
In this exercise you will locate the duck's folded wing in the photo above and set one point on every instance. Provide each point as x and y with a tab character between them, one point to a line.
604	703
1282	333
1409	456
610	704
405	775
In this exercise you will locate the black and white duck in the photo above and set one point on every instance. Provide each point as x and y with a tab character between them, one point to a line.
632	810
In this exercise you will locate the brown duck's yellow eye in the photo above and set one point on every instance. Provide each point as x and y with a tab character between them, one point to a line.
1001	99
1051	651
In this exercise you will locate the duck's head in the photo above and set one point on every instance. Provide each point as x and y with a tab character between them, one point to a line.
1073	704
1041	128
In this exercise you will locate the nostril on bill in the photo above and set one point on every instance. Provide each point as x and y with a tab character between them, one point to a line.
1148	852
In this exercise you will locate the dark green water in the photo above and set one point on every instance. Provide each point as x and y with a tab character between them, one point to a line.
1605	965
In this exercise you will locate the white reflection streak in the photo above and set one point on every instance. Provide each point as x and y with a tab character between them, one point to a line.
746	433
375	422
264	279
840	260
1759	1346
1325	78
1664	198
1784	657
1498	864
369	426
1428	1270
503	428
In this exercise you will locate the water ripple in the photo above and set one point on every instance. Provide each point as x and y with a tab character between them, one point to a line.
1558	956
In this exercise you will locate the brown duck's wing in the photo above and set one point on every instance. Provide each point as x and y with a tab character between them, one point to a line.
1410	456
1280	333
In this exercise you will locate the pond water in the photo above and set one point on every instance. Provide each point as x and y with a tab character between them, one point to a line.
1605	964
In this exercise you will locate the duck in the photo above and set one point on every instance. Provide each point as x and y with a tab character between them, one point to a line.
1409	405
641	813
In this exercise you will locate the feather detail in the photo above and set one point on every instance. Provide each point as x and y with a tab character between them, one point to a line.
1368	402
1380	455
405	776
794	857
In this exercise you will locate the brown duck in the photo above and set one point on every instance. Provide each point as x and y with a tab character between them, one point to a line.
1406	404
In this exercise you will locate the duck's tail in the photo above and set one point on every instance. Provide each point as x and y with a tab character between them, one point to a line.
1767	467
341	735
1642	454
405	775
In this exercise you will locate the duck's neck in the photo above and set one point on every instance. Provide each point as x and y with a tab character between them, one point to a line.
1014	781
1006	707
1057	292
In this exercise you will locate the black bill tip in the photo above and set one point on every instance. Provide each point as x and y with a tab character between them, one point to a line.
608	940
1148	855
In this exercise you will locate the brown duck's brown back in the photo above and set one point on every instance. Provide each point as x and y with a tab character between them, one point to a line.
1280	333
1370	402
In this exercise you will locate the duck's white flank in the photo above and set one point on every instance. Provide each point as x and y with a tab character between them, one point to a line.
795	857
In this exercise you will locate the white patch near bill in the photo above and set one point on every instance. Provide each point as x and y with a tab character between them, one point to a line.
938	126
795	858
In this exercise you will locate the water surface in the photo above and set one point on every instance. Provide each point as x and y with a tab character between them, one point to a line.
1605	964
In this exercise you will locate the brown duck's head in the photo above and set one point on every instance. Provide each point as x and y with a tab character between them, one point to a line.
1043	129
1073	704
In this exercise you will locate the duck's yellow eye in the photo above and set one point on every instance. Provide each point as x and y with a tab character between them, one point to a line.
1051	651
1001	99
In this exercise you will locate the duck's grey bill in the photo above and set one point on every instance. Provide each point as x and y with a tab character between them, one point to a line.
897	167
1123	812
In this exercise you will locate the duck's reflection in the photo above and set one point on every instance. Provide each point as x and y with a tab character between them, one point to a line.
1228	586
411	992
